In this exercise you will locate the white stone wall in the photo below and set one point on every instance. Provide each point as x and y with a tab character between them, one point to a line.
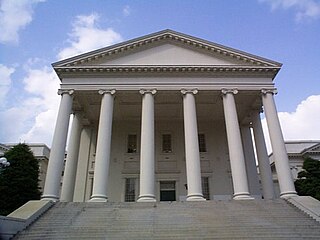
215	163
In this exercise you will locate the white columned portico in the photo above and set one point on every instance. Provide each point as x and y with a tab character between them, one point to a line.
102	161
278	147
263	160
55	165
192	146
147	153
236	155
70	171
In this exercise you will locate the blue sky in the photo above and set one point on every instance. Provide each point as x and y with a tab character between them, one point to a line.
36	33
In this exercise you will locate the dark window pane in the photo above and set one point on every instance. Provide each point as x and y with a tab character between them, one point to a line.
166	143
132	143
130	191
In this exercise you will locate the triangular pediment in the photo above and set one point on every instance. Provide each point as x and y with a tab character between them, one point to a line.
168	54
166	48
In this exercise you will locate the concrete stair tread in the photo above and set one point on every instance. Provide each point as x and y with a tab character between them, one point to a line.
263	219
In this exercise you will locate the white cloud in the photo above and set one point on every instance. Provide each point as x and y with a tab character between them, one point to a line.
305	9
42	84
126	11
33	119
14	16
86	35
5	81
302	124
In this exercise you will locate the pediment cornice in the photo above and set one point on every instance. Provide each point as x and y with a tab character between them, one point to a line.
166	36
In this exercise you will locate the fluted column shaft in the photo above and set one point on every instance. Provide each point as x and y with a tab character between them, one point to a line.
278	147
192	146
236	155
70	172
56	159
147	152
102	161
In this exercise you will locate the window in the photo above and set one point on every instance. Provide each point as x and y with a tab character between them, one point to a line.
202	143
132	143
130	190
167	191
166	143
205	187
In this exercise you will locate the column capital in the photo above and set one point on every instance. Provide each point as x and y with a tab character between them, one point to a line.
144	91
193	91
225	91
104	91
63	91
273	91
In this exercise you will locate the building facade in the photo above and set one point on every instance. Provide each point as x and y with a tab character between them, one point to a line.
41	152
298	151
166	117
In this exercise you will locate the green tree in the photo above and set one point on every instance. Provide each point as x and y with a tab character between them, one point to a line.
19	181
308	182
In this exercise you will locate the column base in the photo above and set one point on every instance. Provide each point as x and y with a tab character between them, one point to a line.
146	198
98	198
288	194
242	196
50	198
195	198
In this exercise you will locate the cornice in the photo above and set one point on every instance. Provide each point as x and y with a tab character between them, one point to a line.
166	36
107	69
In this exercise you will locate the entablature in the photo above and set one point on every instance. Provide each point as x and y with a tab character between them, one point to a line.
147	71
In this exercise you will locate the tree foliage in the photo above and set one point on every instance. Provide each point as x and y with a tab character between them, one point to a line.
308	182
19	181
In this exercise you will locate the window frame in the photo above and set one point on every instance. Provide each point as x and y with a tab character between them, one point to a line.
202	139
130	189
128	142
170	151
205	186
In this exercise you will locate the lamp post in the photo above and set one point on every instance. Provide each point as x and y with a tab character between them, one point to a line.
4	162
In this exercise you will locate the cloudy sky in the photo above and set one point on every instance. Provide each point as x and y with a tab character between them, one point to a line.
36	33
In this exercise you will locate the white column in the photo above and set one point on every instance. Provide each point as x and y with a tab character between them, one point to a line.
147	153
237	162
192	146
86	151
102	161
56	159
250	160
263	160
278	147
70	171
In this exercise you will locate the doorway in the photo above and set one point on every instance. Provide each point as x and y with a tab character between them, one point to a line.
167	191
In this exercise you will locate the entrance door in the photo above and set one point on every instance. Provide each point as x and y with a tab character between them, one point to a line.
167	191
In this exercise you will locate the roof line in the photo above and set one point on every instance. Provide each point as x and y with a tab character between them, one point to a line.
166	31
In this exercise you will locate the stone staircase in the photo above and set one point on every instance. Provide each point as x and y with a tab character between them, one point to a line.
250	219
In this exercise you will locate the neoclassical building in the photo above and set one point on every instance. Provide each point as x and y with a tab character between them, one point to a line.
166	117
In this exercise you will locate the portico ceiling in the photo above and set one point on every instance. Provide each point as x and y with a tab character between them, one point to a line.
168	105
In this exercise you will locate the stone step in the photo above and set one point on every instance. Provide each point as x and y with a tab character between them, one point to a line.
258	219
